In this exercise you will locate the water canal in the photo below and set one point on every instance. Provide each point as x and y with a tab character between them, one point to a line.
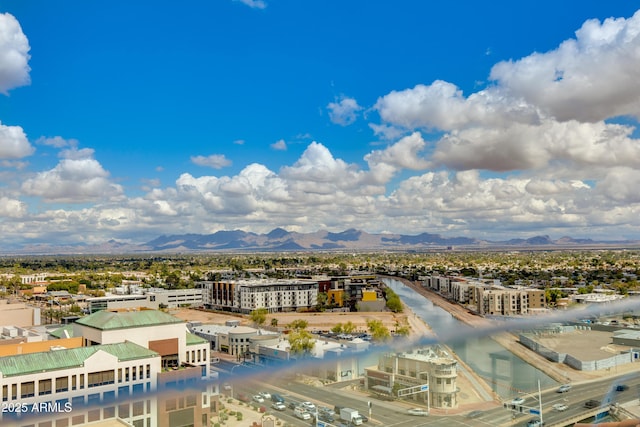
507	374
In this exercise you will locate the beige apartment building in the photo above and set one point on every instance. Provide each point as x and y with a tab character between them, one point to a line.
508	302
487	297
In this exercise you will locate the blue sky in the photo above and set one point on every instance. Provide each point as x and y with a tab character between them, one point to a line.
495	120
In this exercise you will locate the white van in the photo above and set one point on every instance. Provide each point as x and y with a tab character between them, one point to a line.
301	413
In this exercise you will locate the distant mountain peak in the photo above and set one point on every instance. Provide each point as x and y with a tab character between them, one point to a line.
280	239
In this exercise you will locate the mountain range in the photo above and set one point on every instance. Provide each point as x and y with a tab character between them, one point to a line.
281	240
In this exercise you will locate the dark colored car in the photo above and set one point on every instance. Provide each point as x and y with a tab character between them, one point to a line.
326	418
474	414
622	387
277	398
590	404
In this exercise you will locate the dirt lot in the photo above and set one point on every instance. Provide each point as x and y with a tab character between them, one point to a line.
316	321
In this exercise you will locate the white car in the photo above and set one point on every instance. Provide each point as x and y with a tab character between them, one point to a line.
517	401
418	412
265	395
308	406
279	406
560	407
258	398
563	388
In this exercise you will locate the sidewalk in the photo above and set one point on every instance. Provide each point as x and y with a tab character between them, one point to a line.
250	416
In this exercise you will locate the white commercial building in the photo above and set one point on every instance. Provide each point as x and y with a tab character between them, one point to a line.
153	299
125	359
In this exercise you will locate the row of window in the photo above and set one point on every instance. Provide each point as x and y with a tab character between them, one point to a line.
201	356
125	410
61	384
142	371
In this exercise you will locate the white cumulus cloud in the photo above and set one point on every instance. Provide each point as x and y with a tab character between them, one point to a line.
14	54
344	111
13	142
590	78
77	178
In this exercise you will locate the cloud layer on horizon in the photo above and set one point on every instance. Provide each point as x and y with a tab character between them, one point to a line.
537	151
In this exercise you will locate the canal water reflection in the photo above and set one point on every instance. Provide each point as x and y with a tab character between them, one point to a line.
507	374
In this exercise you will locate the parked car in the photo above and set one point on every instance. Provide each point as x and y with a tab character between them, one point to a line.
278	406
277	398
560	407
418	412
564	388
265	395
622	387
592	403
292	405
259	399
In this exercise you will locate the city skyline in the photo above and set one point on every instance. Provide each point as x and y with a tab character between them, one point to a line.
129	121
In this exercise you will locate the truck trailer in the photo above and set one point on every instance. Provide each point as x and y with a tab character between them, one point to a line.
350	415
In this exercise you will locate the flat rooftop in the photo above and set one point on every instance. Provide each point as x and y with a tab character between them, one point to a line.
585	345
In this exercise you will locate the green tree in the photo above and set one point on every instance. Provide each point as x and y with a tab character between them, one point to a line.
393	301
403	330
301	342
322	301
337	329
299	324
552	295
349	327
258	316
274	322
379	332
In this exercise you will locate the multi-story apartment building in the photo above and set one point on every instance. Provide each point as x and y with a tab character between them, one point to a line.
506	302
441	284
274	295
488	298
462	291
431	366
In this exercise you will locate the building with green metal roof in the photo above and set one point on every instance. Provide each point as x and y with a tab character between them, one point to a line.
109	320
124	354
